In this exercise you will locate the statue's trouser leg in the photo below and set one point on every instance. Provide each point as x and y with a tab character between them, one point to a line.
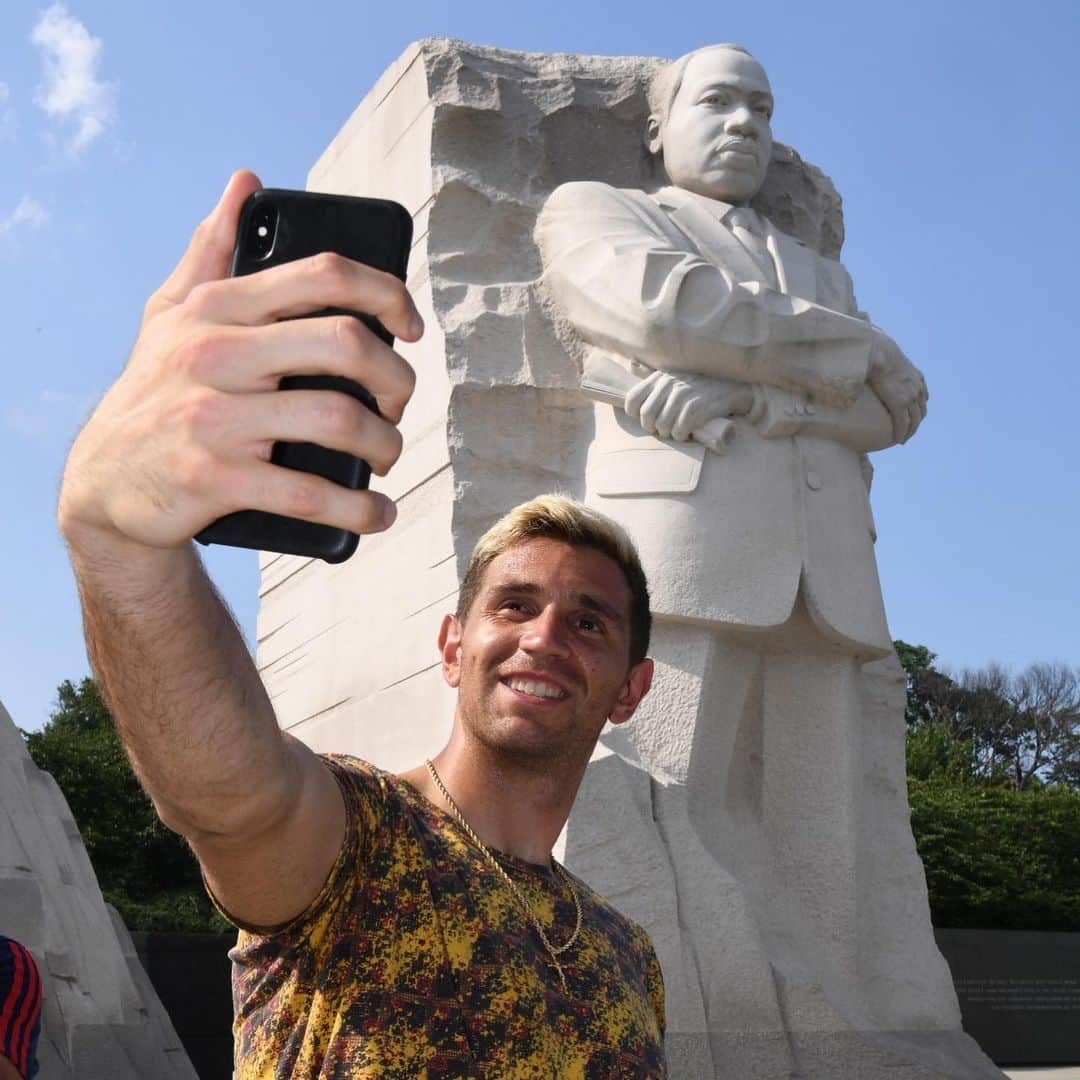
780	813
720	959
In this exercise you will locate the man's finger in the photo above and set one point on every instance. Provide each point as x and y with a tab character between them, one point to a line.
324	417
245	359
311	498
638	393
653	406
686	421
309	285
914	420
210	252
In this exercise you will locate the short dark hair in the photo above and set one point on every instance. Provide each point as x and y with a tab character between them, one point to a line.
665	83
555	517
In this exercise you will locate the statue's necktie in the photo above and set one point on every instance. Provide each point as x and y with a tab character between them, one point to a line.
746	227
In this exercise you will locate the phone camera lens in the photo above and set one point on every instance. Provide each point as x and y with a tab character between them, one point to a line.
262	231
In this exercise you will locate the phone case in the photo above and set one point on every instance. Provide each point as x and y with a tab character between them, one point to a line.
372	231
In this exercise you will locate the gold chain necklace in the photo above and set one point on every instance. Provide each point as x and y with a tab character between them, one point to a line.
554	951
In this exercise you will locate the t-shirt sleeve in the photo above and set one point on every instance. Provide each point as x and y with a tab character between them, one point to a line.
655	983
364	798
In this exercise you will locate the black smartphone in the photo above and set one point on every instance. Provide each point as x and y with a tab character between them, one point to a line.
278	226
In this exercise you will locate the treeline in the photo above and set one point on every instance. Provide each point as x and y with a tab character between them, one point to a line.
145	870
993	763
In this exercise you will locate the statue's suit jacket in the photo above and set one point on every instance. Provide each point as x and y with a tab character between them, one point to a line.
659	282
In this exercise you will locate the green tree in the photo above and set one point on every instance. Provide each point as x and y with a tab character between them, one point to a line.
998	857
1018	729
992	782
146	871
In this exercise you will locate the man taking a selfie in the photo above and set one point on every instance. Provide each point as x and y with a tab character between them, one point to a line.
391	926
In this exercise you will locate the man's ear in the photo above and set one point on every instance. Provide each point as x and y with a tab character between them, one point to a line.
634	689
653	141
450	649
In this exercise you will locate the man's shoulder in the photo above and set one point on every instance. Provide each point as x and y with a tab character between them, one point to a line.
366	788
617	925
594	195
350	763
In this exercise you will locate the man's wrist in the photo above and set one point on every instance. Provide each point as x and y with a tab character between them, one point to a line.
880	355
97	551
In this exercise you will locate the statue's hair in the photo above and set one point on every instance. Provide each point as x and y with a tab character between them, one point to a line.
665	83
555	517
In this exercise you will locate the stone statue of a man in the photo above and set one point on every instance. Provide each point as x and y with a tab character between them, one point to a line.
744	389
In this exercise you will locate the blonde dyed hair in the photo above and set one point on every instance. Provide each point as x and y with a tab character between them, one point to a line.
556	517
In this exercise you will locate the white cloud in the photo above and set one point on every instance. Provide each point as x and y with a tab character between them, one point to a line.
72	90
29	212
7	113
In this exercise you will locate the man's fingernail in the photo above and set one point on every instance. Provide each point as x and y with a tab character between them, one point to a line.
416	324
389	514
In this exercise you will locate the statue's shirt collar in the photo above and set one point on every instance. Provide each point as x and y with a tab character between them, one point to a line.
675	198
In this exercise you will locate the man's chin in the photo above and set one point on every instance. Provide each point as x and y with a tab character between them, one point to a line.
729	186
526	740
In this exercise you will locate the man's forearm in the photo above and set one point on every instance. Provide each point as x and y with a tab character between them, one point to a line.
865	426
187	700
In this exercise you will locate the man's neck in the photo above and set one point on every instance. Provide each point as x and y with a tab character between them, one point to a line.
512	808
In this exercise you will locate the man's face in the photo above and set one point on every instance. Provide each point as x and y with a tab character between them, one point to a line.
542	660
716	139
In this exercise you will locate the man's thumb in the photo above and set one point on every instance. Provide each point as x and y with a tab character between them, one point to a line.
210	251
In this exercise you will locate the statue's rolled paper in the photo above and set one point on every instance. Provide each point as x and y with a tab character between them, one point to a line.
605	379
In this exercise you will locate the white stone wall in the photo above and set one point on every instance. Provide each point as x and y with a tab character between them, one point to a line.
347	652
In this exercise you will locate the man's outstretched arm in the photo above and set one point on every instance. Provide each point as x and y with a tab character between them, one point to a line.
183	437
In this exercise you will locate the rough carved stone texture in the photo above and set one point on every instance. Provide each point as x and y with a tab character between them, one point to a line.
472	140
102	1018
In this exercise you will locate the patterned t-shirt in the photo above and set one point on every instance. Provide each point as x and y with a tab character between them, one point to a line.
416	960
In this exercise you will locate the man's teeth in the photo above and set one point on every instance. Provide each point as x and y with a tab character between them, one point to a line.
537	689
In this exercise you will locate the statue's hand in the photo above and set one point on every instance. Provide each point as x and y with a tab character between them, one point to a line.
899	385
675	406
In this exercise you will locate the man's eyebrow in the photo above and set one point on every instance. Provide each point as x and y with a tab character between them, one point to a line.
593	603
585	600
755	94
514	585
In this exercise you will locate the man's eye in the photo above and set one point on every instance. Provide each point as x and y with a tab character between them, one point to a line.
589	624
763	110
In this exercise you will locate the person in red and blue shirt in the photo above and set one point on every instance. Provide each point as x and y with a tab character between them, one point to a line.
20	1011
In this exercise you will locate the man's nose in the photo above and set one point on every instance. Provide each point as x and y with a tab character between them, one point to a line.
742	120
546	634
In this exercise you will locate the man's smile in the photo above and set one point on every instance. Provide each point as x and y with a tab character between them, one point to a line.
532	686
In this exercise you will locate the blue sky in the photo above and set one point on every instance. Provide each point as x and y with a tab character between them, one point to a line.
949	129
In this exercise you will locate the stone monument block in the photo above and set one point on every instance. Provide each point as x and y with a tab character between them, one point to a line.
101	1016
471	140
769	855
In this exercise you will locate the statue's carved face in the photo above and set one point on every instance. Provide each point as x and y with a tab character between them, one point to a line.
716	139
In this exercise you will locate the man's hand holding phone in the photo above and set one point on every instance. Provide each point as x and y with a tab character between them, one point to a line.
185	434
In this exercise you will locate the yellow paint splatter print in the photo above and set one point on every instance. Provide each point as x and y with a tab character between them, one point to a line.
415	960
